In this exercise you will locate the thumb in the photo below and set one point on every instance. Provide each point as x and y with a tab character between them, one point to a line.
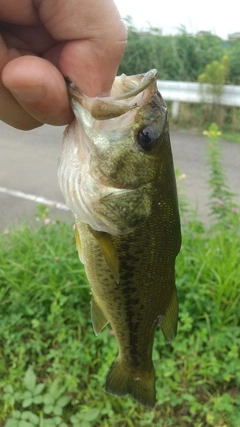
94	38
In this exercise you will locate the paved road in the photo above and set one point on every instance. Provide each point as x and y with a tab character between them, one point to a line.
28	164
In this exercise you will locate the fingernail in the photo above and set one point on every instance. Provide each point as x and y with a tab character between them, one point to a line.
28	94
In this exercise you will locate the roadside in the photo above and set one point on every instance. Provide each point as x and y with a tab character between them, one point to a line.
28	164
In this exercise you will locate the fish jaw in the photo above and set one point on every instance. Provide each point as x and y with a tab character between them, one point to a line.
97	143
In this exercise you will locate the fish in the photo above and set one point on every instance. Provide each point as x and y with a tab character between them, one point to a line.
116	174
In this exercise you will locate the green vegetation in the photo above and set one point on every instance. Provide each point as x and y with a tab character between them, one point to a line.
184	57
215	74
231	136
181	57
53	368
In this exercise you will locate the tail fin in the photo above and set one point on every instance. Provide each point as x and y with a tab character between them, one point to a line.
139	385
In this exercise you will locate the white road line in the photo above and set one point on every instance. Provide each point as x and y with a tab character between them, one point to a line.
33	198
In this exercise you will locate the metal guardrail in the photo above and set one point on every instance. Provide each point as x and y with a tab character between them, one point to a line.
195	93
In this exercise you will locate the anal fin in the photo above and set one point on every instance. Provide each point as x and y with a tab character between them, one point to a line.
109	251
99	321
169	323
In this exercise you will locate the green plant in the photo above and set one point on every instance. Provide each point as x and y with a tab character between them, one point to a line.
23	419
50	403
221	197
55	400
215	74
33	393
85	418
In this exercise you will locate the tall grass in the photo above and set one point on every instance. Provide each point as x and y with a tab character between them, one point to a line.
52	367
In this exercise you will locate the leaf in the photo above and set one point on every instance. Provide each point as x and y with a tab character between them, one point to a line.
27	402
27	415
63	401
46	422
34	419
24	423
91	414
54	389
57	410
18	396
48	409
8	389
48	399
27	395
85	424
16	415
30	379
10	399
57	420
38	400
11	423
75	419
39	388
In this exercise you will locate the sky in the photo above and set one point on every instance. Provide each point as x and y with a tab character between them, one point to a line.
219	17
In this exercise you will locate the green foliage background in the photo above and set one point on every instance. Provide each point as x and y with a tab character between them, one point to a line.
181	57
53	368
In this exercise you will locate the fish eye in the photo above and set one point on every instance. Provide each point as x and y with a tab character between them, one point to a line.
147	138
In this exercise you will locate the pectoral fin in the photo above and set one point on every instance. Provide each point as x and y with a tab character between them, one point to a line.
169	323
109	251
78	243
99	321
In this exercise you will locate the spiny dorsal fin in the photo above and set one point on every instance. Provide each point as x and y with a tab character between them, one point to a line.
169	323
99	321
109	251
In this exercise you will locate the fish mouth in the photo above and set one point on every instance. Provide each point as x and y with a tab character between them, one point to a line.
127	93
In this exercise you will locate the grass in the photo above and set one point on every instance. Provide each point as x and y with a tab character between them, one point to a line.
52	367
231	136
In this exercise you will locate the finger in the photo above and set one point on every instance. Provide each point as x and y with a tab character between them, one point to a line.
13	114
99	35
22	12
85	64
10	111
39	88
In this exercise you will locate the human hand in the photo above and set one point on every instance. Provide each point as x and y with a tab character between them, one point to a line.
41	42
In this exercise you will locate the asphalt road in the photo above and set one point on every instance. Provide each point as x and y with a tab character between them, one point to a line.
28	166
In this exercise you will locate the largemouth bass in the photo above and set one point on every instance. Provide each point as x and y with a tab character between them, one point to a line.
116	174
